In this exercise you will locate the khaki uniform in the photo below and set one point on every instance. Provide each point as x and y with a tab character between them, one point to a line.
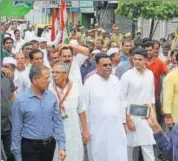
117	38
174	44
82	38
106	42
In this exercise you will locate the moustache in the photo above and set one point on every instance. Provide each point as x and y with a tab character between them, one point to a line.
67	61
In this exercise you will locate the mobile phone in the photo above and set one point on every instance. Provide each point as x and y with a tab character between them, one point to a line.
138	110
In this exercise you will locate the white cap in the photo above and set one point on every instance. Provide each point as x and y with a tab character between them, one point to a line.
9	60
73	42
112	51
42	39
95	52
36	38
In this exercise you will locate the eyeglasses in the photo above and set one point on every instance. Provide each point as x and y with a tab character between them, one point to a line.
105	65
57	72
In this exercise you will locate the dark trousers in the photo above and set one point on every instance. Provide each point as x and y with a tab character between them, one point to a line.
158	112
35	150
6	141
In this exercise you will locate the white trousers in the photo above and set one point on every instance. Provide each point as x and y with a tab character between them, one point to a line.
147	151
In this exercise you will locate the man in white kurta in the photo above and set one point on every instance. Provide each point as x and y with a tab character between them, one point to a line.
75	125
29	34
138	88
106	115
21	78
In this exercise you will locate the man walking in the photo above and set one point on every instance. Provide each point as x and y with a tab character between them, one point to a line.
106	114
138	88
36	121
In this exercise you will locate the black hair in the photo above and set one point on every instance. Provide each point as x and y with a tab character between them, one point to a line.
34	41
146	39
156	42
139	51
66	48
16	31
163	39
26	44
100	56
33	52
175	51
148	44
6	39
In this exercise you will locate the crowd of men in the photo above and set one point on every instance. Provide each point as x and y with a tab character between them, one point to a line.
68	101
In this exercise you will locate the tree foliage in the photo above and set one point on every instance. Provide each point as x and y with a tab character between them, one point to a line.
158	10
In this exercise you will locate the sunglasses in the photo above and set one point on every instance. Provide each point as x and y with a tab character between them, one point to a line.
105	65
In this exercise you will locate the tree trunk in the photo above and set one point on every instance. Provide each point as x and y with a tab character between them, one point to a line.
152	27
155	29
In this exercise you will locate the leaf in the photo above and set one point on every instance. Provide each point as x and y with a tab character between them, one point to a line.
160	10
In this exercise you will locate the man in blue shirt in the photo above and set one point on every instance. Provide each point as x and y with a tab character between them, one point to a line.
36	121
169	145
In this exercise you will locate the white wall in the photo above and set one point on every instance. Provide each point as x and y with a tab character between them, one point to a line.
36	16
163	29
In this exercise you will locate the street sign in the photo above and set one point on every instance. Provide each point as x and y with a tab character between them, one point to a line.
50	4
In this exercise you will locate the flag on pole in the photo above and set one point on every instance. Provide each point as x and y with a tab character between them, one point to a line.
63	20
54	21
15	8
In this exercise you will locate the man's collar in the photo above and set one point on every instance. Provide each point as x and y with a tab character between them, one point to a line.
32	94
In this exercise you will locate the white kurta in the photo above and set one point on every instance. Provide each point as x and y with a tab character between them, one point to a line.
46	61
139	89
29	35
21	80
74	105
106	114
17	46
47	35
75	74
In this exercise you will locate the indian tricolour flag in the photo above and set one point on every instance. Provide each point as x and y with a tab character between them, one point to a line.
54	25
63	20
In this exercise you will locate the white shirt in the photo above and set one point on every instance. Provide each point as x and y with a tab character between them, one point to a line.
17	45
46	61
75	74
29	35
106	113
47	35
21	80
139	89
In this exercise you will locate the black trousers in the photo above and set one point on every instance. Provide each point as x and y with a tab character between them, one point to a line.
158	112
6	141
35	150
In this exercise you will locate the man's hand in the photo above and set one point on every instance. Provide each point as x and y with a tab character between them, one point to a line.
152	121
86	136
61	154
130	124
7	72
168	120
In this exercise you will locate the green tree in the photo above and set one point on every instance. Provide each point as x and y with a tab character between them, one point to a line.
155	10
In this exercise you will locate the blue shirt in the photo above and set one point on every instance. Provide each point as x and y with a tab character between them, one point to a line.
122	68
123	57
91	66
36	118
169	145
